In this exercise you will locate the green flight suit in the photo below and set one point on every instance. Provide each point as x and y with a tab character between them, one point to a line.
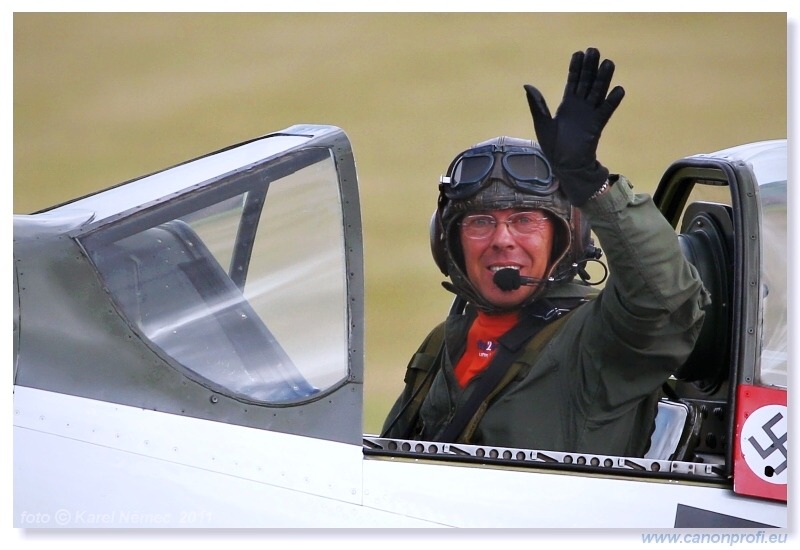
594	386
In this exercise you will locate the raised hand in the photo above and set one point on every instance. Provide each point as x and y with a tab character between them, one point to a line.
569	140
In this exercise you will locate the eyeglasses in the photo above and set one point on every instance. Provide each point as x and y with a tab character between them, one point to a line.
526	167
482	226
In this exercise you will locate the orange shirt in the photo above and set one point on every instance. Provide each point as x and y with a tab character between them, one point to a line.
482	343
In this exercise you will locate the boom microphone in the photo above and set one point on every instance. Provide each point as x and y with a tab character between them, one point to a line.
508	279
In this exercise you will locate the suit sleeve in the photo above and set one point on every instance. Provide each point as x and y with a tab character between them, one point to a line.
646	320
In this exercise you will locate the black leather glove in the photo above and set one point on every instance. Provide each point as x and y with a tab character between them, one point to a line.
569	140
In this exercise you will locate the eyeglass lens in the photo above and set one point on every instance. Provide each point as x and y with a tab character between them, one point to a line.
482	226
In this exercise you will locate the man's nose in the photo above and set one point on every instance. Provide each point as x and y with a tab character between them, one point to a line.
502	236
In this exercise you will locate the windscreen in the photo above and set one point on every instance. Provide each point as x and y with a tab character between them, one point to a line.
247	292
774	341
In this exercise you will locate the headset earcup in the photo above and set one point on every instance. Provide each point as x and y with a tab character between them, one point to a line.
437	242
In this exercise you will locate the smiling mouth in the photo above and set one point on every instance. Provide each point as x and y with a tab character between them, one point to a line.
496	268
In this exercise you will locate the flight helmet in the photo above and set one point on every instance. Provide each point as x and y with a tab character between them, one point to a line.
502	173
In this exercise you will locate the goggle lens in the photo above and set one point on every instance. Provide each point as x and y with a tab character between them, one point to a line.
527	167
471	170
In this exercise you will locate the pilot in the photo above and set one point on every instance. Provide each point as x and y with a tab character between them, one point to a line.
536	357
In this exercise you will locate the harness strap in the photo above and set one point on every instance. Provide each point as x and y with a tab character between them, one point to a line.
422	384
418	382
500	372
538	342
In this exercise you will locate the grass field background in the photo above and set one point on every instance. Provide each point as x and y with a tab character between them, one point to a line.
103	98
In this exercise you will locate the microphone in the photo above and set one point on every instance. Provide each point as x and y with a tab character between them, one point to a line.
508	279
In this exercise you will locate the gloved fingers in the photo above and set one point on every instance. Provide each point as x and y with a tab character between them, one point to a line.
588	73
574	76
612	102
537	104
601	83
542	120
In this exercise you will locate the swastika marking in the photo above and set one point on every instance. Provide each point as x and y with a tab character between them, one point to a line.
764	443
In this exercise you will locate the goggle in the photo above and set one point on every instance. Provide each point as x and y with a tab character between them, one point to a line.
526	168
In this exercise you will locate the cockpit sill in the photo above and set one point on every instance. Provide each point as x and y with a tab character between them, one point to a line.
535	459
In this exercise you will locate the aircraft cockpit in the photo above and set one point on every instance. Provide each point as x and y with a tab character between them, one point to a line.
202	329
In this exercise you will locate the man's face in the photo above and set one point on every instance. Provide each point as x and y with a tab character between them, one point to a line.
520	239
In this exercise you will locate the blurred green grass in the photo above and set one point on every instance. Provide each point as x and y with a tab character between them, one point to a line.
103	98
